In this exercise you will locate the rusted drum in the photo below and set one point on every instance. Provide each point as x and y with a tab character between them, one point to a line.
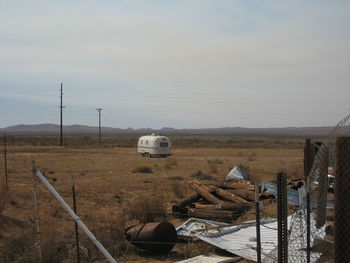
156	237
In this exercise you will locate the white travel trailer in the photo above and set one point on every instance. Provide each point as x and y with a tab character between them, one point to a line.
154	145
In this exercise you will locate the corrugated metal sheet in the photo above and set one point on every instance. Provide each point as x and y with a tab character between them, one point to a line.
292	197
209	259
241	239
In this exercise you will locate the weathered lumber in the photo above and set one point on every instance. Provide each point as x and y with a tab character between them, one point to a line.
239	184
229	196
243	193
205	206
212	214
239	208
206	193
181	206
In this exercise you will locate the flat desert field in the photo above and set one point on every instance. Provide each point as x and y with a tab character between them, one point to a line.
112	193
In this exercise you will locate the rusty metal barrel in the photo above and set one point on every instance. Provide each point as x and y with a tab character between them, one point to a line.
155	237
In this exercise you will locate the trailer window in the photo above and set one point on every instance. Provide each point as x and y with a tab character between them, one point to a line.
164	144
141	141
147	142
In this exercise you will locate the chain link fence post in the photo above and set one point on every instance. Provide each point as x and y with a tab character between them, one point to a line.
308	220
282	214
342	201
309	157
257	218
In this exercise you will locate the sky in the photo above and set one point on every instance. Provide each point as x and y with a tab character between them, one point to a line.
181	64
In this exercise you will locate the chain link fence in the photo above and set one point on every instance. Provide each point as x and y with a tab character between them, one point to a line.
321	233
329	203
339	181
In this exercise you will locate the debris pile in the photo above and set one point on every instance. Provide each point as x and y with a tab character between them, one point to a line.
240	239
226	202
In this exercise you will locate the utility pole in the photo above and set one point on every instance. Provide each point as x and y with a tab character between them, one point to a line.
99	125
61	117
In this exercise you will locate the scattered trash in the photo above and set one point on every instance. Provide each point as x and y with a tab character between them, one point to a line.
237	173
240	239
292	195
210	259
155	237
330	179
295	184
211	202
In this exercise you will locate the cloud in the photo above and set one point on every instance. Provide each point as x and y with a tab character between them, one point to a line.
190	62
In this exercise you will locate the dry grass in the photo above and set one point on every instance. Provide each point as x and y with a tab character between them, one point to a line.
178	189
143	169
213	165
170	163
147	209
106	187
5	198
192	249
252	157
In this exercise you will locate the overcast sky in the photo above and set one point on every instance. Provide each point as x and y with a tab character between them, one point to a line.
182	64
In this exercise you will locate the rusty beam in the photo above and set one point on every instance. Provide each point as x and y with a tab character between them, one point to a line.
207	193
179	208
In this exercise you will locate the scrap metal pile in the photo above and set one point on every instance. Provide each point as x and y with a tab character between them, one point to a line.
226	202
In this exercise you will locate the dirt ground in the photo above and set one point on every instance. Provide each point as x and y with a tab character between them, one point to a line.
109	189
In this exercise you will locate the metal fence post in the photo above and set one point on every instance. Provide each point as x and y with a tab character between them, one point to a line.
282	213
37	218
342	200
309	158
257	216
308	220
75	223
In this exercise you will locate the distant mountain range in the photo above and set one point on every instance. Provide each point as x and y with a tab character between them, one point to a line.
53	129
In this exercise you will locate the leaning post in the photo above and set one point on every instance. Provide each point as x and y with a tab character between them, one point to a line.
342	200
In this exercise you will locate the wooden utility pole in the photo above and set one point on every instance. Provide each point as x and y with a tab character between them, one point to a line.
61	116
99	125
